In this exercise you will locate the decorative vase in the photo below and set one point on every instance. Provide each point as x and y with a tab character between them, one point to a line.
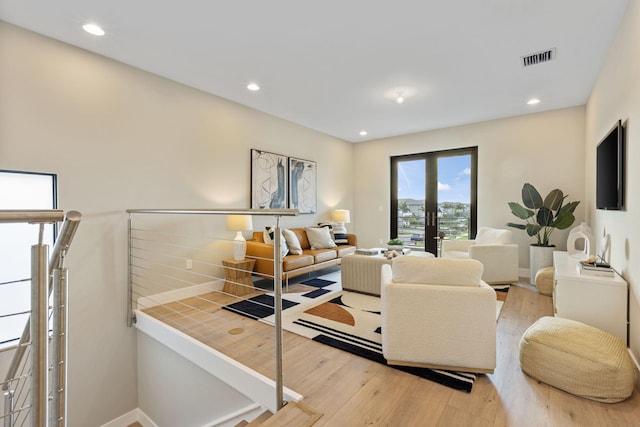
539	257
584	234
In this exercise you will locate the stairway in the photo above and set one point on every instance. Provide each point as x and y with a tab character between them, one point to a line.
293	414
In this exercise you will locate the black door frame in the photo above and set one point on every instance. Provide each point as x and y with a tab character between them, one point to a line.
431	189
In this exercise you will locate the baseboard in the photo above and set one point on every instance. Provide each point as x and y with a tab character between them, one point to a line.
637	366
137	415
178	294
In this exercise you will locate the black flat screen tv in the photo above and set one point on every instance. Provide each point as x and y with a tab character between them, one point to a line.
610	170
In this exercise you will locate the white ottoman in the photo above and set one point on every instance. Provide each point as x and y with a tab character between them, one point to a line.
578	359
362	272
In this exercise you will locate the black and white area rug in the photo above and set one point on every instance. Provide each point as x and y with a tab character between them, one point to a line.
261	306
258	307
345	320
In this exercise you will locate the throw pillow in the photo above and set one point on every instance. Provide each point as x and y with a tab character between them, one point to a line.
292	241
320	238
268	237
340	238
338	232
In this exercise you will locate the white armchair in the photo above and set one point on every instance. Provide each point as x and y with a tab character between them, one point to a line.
493	248
438	313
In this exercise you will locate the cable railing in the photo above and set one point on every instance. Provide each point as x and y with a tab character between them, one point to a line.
182	273
35	384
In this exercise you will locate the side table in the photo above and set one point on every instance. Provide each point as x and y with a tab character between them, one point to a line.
238	276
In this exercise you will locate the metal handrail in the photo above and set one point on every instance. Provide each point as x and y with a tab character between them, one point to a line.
257	212
69	228
277	274
46	275
38	216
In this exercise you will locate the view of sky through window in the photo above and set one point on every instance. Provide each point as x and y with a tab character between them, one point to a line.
454	175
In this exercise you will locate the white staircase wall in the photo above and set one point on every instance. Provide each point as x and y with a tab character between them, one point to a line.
175	392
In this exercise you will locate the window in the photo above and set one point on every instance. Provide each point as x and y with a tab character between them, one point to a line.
432	193
20	190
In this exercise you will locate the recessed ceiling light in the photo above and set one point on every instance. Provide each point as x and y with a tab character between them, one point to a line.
93	29
363	133
533	101
400	94
253	87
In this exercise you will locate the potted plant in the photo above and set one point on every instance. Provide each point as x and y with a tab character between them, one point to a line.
395	244
542	217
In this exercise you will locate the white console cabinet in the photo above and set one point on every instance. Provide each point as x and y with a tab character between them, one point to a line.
597	301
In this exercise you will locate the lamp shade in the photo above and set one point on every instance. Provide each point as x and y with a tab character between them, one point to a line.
342	215
239	222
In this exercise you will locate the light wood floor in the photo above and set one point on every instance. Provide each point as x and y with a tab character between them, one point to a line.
352	391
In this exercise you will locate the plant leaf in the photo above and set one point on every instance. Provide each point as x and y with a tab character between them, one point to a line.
520	226
563	220
533	229
554	200
519	211
570	207
545	217
530	196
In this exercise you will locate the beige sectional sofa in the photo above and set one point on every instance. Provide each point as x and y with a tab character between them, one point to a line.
294	265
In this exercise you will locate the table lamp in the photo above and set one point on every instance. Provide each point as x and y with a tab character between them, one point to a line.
239	223
341	217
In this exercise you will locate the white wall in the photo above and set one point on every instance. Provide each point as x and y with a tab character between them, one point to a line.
545	149
174	392
616	95
122	138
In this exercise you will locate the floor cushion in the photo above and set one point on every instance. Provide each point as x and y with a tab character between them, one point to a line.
578	359
544	280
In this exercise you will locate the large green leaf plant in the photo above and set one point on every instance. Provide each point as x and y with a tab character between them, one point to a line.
542	216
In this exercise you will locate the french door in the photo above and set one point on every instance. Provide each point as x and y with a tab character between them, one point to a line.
434	195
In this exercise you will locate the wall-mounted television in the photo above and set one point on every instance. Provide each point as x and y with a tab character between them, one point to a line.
610	173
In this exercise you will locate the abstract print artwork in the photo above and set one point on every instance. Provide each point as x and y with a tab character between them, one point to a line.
302	185
268	180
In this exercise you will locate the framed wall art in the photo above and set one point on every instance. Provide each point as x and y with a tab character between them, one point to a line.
268	180
302	185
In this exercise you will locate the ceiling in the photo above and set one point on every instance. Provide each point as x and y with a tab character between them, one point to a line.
337	66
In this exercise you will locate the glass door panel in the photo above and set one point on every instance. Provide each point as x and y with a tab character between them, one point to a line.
411	202
433	193
454	196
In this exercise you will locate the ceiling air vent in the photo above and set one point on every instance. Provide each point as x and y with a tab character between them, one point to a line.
538	57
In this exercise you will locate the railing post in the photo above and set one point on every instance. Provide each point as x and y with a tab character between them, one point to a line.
59	347
39	334
9	407
130	314
277	307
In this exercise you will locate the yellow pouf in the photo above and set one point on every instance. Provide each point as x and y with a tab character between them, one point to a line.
544	280
578	359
